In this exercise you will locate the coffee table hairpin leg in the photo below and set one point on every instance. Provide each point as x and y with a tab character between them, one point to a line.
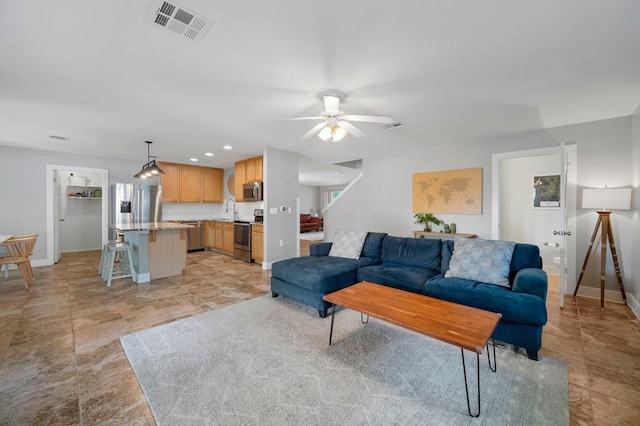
493	368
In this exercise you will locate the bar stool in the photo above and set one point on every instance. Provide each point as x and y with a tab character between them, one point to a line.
104	257
113	248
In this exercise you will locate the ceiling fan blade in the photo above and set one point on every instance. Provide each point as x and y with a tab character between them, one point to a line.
331	104
299	118
351	128
314	130
383	119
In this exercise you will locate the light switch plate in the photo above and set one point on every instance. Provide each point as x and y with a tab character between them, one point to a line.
273	210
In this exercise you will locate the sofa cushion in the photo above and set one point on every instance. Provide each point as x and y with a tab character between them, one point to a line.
373	245
524	256
322	274
418	252
519	308
348	243
408	278
487	261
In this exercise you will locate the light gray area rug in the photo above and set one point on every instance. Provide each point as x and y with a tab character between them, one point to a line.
267	362
312	236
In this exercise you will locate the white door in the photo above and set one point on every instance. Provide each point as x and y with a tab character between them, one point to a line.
516	218
567	223
57	217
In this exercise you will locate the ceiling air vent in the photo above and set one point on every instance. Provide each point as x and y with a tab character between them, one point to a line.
180	20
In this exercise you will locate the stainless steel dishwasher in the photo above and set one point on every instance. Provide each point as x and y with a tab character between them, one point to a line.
195	236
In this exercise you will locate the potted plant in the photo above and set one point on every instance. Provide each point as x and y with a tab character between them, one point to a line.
426	219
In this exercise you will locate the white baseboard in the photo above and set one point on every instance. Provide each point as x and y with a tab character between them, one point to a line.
594	293
634	305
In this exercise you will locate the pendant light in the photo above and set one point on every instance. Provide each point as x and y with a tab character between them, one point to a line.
150	169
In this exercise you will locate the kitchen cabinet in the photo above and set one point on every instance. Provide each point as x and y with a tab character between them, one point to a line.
220	236
190	184
253	170
217	244
183	183
212	185
210	229
170	181
240	179
227	237
247	171
257	242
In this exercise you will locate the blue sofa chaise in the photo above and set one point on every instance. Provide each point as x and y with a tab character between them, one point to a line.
420	266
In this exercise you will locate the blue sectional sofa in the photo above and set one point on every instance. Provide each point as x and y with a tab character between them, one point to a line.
419	266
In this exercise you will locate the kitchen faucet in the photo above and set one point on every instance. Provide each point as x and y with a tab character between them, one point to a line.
235	212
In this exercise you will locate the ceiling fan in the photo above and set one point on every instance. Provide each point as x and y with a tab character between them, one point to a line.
335	124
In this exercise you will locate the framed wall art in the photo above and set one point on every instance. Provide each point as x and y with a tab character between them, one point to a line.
448	191
546	191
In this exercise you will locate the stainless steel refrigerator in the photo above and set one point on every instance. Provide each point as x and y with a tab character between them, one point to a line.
136	203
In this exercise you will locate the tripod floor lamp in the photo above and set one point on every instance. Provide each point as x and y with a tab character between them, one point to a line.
605	200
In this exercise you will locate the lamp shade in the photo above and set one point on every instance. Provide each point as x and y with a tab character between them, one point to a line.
606	198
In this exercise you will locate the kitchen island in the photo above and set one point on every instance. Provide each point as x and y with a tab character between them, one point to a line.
159	248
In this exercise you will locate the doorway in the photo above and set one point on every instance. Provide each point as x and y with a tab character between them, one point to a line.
72	194
520	216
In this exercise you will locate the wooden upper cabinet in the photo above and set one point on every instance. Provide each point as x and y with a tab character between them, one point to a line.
183	183
247	171
212	185
253	170
170	181
190	184
240	179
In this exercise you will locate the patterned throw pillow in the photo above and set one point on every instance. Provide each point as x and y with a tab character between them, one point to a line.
487	261
348	243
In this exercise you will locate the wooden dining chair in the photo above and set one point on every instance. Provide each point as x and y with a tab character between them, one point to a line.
18	251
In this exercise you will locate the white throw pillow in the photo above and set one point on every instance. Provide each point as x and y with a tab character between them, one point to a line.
348	243
487	261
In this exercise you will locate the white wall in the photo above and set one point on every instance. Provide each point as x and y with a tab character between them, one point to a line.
309	199
281	181
633	284
382	199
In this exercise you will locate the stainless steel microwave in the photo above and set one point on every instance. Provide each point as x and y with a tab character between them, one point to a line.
252	191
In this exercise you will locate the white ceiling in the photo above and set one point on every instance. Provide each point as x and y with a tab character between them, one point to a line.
108	78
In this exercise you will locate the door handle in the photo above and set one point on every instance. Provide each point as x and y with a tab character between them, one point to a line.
546	243
562	233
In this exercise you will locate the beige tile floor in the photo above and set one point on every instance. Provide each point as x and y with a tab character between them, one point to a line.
61	361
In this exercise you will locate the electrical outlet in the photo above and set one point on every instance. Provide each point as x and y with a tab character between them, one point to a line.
273	210
283	209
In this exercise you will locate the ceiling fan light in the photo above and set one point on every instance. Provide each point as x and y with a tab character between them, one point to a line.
338	133
326	133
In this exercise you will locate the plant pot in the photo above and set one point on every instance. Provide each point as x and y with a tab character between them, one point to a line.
427	227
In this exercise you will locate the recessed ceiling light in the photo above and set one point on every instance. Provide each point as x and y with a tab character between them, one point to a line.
194	159
209	154
227	147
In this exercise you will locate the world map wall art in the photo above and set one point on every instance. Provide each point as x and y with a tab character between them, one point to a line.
450	191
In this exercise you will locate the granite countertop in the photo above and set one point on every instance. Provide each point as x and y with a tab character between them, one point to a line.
151	226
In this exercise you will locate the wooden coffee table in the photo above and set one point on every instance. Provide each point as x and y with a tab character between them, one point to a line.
462	326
